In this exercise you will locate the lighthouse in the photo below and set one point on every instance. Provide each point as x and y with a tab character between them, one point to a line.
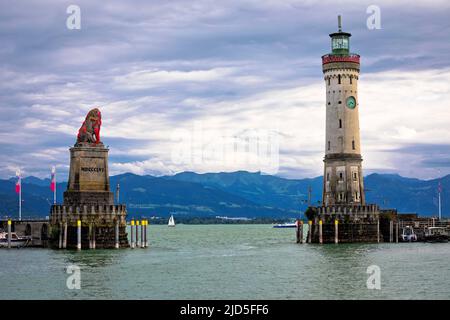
343	178
344	216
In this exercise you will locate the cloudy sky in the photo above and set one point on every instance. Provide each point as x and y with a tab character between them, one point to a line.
191	85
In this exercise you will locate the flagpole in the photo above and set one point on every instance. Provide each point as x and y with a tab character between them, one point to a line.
20	202
440	201
54	191
20	197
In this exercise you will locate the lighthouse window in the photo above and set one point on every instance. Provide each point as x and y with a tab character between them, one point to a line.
328	145
328	176
339	79
351	80
340	123
353	144
340	102
355	177
328	81
340	175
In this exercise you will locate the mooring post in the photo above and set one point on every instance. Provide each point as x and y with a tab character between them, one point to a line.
336	231
320	231
146	238
60	235
90	236
137	234
309	231
297	224
117	235
78	234
65	235
301	231
142	233
391	231
378	230
93	236
396	232
132	234
9	234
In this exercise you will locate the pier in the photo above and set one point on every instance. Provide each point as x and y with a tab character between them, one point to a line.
42	233
37	229
387	227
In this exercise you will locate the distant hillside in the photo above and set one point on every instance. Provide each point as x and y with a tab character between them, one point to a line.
266	190
235	194
407	194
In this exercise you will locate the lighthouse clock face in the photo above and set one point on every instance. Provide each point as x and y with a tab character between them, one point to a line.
351	102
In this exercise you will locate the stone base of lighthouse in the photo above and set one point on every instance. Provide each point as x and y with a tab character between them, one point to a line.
344	224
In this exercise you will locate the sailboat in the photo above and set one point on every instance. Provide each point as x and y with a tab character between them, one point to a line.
171	221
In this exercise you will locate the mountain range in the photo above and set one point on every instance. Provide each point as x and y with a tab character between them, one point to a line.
233	194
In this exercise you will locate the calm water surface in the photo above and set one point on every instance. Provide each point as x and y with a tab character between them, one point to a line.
229	262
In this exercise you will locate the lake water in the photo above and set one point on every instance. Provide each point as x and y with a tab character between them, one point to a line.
229	262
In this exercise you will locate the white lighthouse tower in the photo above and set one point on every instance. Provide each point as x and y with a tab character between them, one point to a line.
343	178
344	215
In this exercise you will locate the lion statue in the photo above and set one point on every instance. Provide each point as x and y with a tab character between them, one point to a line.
90	130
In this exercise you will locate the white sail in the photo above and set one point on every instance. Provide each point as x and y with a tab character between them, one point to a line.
171	221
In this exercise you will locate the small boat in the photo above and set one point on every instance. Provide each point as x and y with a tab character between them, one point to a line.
171	221
286	225
436	234
16	241
408	234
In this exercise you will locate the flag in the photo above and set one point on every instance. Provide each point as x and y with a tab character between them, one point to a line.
53	181
19	182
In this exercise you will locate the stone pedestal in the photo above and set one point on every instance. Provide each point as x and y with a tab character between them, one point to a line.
88	178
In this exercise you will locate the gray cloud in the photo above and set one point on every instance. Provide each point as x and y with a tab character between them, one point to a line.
157	66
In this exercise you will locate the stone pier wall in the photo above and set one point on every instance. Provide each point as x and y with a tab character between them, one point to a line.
347	232
355	223
97	223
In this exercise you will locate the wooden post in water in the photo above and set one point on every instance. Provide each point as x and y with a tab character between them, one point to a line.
60	235
117	235
78	234
309	231
65	235
378	230
336	231
145	234
396	232
137	234
142	233
391	231
298	230
90	235
301	231
320	232
146	240
132	234
9	234
93	236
